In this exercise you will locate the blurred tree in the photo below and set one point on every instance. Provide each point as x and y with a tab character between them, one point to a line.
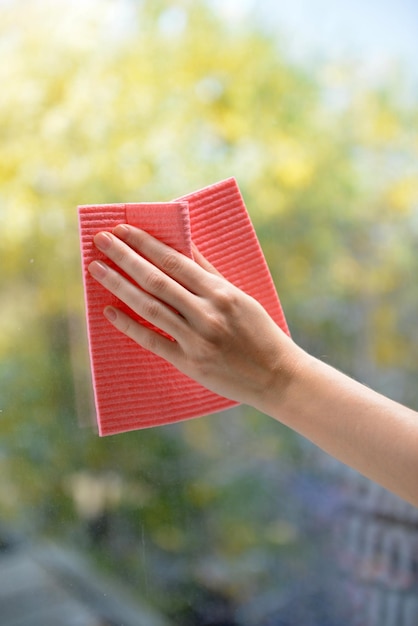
127	101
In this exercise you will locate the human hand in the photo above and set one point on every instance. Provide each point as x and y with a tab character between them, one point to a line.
221	337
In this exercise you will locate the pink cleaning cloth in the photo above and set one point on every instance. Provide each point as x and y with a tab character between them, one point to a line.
134	388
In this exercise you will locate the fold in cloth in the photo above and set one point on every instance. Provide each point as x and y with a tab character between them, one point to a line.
134	388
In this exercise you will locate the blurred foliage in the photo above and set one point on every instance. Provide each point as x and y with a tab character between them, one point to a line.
108	101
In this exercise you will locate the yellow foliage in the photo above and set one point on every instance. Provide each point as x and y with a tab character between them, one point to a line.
345	272
403	194
378	121
294	172
386	338
300	270
293	163
384	126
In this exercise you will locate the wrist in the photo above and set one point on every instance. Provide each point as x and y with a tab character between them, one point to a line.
283	379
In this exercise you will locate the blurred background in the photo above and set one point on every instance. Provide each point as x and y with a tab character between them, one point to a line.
227	520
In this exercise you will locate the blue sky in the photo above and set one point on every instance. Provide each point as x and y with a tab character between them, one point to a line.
377	32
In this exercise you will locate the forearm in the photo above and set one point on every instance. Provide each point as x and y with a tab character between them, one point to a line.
361	428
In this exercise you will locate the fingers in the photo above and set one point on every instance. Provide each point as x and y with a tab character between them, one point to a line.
193	276
147	276
165	281
145	337
142	303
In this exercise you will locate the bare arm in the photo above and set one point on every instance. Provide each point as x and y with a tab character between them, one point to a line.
226	341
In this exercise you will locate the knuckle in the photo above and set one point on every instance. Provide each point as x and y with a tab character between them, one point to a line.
115	281
220	316
150	342
151	309
155	283
214	328
120	256
171	263
224	299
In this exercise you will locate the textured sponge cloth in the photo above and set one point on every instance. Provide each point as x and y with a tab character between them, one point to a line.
134	388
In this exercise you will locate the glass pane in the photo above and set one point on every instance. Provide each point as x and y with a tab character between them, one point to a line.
229	519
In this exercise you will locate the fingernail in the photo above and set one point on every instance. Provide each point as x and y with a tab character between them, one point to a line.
98	269
103	241
110	313
121	231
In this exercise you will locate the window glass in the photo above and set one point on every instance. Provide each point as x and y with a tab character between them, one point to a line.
229	519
